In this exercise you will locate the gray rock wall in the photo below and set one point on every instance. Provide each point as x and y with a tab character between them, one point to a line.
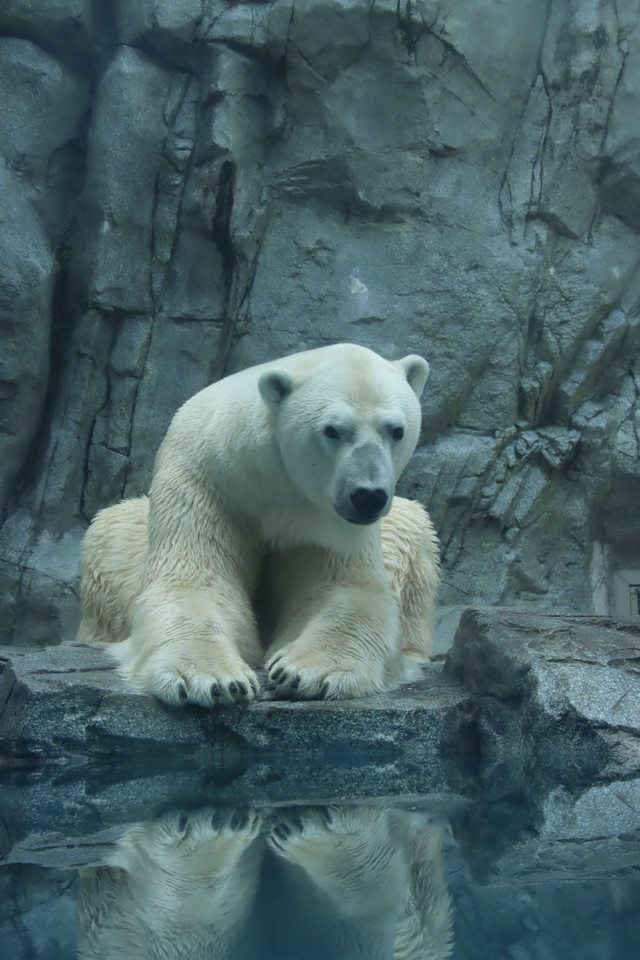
191	186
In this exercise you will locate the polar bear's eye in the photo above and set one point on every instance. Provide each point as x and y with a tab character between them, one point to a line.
397	433
331	433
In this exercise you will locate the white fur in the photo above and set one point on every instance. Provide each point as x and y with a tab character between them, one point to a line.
370	880
249	509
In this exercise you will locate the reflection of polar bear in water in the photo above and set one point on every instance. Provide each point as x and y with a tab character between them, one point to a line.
273	490
340	883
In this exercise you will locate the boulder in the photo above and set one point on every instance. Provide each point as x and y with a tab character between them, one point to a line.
554	699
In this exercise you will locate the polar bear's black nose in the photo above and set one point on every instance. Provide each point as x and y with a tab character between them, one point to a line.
368	502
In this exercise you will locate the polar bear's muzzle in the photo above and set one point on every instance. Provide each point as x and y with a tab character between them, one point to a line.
364	484
368	504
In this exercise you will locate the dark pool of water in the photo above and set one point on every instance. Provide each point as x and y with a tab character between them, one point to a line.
419	879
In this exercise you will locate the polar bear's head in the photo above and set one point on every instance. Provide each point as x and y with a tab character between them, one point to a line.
346	423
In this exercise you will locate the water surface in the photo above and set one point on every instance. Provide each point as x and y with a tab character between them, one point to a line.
411	878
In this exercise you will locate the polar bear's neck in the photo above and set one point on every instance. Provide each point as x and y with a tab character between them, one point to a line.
308	528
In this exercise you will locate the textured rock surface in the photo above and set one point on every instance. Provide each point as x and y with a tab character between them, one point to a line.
191	186
555	699
66	704
523	701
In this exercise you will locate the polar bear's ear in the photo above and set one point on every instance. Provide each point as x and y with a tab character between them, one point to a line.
416	370
275	386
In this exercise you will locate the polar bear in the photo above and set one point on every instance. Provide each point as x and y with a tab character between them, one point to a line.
344	882
271	536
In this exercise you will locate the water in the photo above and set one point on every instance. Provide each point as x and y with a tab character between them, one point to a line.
403	878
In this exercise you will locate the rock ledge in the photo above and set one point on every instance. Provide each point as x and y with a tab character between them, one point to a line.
521	697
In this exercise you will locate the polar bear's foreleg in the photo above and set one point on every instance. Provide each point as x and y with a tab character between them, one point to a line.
193	635
347	649
356	625
191	644
357	856
188	635
338	632
186	882
371	865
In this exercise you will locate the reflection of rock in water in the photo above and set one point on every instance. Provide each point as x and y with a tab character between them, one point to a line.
338	882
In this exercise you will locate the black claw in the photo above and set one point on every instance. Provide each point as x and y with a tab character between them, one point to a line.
283	677
274	660
324	689
295	683
253	686
183	823
242	688
182	690
276	673
233	687
215	690
282	831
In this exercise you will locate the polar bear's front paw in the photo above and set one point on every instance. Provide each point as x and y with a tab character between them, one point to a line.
305	675
291	826
190	829
181	678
